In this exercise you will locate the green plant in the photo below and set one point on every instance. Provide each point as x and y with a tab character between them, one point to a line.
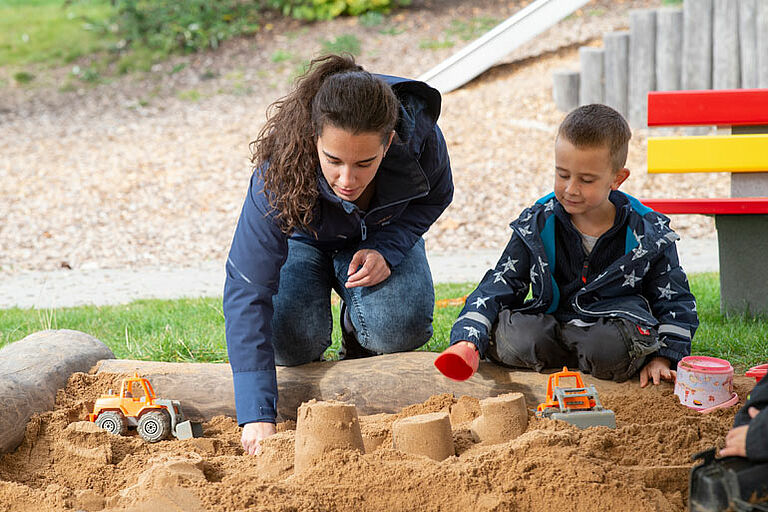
371	19
348	43
467	30
23	77
189	95
329	9
178	67
392	31
281	55
434	44
183	25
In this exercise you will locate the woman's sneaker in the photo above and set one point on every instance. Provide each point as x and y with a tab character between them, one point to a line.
350	346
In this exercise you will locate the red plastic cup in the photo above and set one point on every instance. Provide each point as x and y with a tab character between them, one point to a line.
458	362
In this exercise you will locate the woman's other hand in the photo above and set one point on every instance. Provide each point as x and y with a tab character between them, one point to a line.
252	435
367	268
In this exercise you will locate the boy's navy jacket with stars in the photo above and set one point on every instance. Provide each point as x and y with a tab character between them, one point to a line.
632	272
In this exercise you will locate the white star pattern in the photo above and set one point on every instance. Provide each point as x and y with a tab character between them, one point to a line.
639	252
647	268
550	204
472	332
637	237
542	264
667	292
509	264
525	231
673	313
661	223
527	217
694	308
498	276
630	279
480	301
534	275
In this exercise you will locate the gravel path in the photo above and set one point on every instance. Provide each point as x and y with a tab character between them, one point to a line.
151	171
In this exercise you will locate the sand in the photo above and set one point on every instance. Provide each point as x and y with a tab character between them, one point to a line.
67	464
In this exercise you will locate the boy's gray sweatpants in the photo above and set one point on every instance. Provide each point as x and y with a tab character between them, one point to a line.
611	348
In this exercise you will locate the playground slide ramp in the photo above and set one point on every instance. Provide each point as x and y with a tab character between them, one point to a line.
487	50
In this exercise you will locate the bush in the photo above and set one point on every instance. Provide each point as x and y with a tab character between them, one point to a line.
328	9
187	25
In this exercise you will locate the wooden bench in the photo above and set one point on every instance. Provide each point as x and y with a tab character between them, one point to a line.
742	219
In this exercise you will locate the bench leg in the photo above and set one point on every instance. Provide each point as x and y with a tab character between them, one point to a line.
743	247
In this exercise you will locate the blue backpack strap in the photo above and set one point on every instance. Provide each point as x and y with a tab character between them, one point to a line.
630	241
545	199
548	238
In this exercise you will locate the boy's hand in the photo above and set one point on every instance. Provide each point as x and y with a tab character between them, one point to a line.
657	369
367	268
736	440
252	435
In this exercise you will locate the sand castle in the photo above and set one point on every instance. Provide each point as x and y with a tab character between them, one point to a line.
502	418
425	434
325	426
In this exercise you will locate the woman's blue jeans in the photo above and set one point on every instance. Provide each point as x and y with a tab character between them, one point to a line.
392	316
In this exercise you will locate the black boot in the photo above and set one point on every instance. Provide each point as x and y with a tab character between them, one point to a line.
350	346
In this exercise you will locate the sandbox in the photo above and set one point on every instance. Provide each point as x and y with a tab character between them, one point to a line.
64	463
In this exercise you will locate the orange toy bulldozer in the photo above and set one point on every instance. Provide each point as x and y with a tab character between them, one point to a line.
137	406
578	405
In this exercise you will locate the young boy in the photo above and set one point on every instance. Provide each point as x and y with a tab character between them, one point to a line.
608	293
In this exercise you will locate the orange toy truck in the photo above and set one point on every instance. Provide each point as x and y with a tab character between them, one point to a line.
137	406
577	404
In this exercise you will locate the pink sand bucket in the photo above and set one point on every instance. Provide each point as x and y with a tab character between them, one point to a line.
705	383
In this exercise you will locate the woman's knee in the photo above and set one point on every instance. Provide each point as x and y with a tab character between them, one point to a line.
300	339
386	332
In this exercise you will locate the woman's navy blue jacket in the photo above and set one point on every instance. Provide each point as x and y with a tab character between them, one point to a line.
413	187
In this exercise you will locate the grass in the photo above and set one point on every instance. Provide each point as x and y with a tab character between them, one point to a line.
50	31
345	43
193	329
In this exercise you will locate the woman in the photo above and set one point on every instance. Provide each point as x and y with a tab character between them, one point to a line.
351	170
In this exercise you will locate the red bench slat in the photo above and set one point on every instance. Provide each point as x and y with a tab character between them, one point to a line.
731	107
724	206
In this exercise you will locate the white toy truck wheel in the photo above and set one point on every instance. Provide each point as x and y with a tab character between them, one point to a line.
154	426
113	422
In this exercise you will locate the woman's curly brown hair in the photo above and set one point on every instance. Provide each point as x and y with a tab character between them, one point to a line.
336	91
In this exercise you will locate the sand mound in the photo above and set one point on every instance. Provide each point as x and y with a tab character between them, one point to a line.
66	464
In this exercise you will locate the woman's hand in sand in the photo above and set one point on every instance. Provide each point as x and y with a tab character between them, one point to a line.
253	433
367	268
736	440
656	370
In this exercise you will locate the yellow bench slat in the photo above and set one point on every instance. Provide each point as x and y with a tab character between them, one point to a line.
721	153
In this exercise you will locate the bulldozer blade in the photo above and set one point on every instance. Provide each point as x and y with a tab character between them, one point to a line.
188	430
586	419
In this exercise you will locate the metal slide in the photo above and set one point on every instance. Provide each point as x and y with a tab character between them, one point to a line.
486	51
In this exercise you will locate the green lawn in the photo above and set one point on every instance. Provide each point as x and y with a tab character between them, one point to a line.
193	329
49	31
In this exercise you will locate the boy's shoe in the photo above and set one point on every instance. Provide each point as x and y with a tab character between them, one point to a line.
350	346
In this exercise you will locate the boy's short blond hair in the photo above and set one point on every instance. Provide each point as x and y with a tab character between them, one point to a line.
595	125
